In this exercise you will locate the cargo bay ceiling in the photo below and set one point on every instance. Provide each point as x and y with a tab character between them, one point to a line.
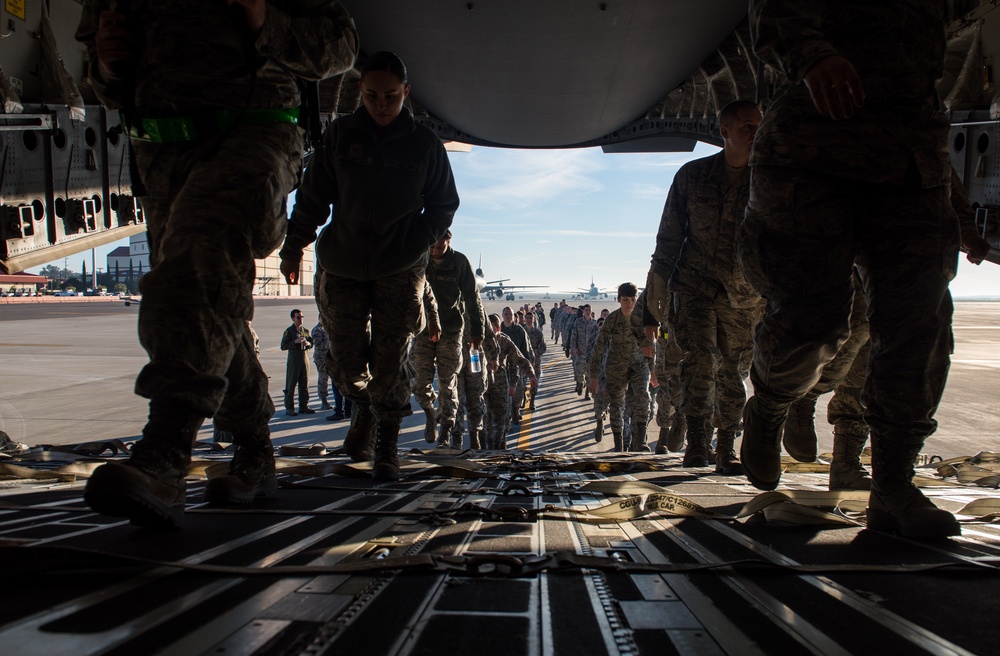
628	75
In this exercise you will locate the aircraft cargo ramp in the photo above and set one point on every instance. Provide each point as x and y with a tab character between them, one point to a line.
559	547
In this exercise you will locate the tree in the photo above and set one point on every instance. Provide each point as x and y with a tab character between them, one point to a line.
120	288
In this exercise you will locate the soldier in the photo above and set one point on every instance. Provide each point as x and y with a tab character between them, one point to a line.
873	192
393	195
454	286
554	322
504	361
224	124
536	339
627	369
321	346
517	335
471	388
712	308
601	399
297	340
584	333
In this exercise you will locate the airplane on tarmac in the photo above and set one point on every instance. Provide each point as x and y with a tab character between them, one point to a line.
592	293
495	289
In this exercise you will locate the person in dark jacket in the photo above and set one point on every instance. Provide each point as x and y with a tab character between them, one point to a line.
393	195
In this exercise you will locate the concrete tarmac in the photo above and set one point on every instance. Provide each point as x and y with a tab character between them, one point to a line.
67	371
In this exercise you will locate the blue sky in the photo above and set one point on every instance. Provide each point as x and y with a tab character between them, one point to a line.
558	217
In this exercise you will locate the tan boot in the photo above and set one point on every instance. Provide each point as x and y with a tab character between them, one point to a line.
799	436
696	453
726	462
846	471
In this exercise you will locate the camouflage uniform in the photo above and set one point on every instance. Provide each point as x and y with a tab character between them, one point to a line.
536	338
519	336
627	371
205	226
584	334
871	189
471	388
503	361
321	346
454	286
296	366
668	393
713	307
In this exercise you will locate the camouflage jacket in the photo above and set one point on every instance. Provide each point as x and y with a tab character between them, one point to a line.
456	293
583	332
192	55
620	341
696	241
321	343
537	340
502	354
898	51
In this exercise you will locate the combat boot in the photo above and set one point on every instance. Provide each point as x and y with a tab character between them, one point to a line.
386	466
638	444
619	444
251	471
431	426
531	402
677	433
444	436
325	405
696	453
846	471
725	453
149	487
760	450
799	435
474	439
358	443
895	505
661	441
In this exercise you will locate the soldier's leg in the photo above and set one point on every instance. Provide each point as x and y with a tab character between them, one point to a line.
449	363
616	396
463	409
735	340
289	391
850	432
303	384
323	387
907	255
638	403
797	248
423	361
696	330
474	391
196	301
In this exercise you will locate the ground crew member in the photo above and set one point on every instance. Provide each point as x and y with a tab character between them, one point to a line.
297	340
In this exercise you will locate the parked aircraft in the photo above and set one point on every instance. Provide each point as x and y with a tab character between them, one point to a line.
494	289
593	292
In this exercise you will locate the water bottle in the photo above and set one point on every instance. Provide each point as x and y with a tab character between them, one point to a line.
475	366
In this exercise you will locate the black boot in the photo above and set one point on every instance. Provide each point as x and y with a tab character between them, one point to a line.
149	487
726	462
599	429
895	505
619	444
677	433
386	466
799	436
444	436
638	444
361	435
251	471
431	426
696	453
846	470
760	449
474	439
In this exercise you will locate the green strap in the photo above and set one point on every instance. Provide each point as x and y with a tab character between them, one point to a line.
196	128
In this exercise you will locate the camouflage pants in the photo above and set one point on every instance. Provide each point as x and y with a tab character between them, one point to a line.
668	393
445	356
498	408
580	370
211	209
323	382
296	375
802	235
370	324
628	390
717	341
471	388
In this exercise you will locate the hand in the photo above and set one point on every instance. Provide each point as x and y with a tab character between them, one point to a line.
255	11
511	391
835	87
977	247
114	41
476	343
290	269
657	296
652	379
434	332
592	386
648	351
534	382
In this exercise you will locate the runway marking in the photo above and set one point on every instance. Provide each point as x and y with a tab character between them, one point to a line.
524	434
21	344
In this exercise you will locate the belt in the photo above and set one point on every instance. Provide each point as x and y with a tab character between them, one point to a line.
203	126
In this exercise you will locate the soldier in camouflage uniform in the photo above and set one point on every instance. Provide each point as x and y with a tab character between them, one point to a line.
454	286
471	388
391	188
504	361
600	397
713	308
627	368
668	393
218	151
321	346
584	333
517	334
536	339
850	165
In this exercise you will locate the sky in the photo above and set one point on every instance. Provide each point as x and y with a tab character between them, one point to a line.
558	217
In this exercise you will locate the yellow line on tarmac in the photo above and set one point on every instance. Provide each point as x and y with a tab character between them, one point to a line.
524	435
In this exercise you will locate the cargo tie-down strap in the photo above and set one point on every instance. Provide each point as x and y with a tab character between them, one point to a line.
60	560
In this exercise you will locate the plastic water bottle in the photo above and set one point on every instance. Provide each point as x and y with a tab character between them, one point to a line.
475	365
